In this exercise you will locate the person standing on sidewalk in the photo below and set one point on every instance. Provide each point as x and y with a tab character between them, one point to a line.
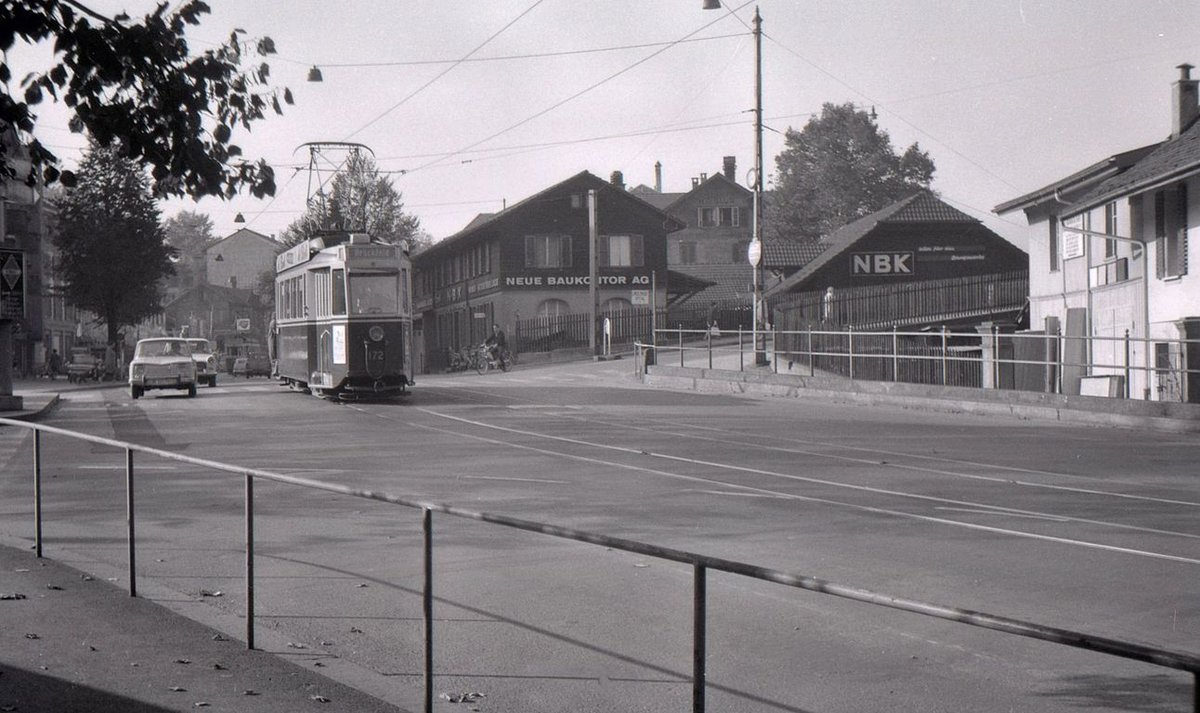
55	363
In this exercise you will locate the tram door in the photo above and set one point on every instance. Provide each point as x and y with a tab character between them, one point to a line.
325	357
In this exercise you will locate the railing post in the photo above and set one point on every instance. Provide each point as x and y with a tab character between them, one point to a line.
1127	373
774	350
709	341
850	348
129	521
812	362
427	605
995	357
699	636
249	561
944	362
37	493
741	357
895	354
681	345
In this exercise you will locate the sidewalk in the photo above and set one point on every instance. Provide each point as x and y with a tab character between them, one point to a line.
72	642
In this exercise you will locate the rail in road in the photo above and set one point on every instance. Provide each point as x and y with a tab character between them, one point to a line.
701	564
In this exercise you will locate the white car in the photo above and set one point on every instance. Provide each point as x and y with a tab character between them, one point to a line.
163	363
206	362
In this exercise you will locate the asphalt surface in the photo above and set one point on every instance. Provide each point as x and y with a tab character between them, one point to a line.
74	642
97	649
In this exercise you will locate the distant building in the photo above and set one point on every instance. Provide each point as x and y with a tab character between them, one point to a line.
532	260
238	259
917	262
1131	272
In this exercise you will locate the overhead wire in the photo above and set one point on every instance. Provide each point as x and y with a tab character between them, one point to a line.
579	93
444	72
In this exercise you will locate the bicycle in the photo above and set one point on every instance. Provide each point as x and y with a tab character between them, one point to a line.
483	361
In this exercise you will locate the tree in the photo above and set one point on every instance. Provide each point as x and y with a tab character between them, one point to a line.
189	233
840	167
139	82
111	249
360	199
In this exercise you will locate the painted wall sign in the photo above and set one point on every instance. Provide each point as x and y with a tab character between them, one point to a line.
573	280
894	263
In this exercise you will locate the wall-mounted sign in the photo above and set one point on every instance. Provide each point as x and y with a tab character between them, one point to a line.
1072	240
639	297
894	263
12	284
544	281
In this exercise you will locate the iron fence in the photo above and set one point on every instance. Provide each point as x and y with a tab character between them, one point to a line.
699	563
1114	366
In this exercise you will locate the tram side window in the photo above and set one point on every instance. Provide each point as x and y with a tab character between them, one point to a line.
339	292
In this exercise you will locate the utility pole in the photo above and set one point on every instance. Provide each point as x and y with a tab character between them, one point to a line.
760	307
593	277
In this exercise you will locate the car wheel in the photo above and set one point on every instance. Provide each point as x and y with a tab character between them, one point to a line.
191	390
136	392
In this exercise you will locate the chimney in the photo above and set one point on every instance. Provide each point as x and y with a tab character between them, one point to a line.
658	176
695	181
617	179
730	168
1185	101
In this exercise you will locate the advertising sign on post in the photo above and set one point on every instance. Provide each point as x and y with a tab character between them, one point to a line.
12	284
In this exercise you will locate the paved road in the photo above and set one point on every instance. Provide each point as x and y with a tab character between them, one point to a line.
1091	529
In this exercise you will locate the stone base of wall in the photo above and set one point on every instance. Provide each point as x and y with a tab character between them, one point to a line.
1124	413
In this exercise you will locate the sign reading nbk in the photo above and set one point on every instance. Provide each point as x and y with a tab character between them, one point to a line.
881	263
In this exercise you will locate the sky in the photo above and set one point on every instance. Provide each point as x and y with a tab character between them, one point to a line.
1005	95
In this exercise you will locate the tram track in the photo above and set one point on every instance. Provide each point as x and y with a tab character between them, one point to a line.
941	505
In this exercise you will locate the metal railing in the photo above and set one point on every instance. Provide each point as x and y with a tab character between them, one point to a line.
700	564
1031	361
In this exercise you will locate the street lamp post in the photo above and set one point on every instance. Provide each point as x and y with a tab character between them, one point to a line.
755	253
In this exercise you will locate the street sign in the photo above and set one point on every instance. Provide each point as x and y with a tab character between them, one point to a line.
243	324
12	284
754	252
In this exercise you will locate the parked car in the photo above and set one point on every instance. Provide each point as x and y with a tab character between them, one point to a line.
252	364
83	365
162	363
206	361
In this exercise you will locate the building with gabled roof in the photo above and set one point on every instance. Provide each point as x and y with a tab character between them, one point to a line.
916	263
1109	259
531	260
239	258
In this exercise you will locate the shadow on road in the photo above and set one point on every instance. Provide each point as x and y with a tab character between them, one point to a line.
23	690
1155	692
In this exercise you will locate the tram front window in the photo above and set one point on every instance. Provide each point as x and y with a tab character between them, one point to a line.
374	294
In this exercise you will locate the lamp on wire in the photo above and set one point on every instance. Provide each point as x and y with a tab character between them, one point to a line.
712	4
239	218
314	74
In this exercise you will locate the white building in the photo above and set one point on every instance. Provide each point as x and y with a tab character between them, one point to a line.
1108	258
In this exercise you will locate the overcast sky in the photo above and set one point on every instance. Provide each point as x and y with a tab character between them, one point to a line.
1005	95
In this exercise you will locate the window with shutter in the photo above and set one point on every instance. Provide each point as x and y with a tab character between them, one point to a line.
1160	234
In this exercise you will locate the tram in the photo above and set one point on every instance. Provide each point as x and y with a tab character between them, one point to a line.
343	317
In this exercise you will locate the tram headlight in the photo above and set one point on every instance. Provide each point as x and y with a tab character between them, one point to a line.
376	333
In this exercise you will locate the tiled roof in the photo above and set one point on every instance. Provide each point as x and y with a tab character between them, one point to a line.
733	282
790	253
1173	157
923	207
1101	170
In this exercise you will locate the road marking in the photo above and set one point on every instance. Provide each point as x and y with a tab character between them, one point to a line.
517	480
788	476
